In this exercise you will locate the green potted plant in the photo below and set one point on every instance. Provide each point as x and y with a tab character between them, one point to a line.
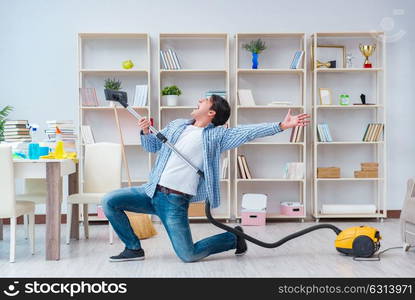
112	84
255	47
3	115
171	95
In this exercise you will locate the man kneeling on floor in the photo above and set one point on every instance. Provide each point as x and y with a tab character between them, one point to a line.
173	184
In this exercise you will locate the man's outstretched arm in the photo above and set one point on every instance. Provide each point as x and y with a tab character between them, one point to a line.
234	137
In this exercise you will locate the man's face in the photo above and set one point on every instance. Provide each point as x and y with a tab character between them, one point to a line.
203	109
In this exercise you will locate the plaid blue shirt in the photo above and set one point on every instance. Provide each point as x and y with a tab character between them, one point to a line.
215	141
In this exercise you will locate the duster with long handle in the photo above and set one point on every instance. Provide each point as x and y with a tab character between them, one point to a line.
141	223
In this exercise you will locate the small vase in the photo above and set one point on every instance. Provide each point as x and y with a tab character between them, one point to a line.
171	100
254	60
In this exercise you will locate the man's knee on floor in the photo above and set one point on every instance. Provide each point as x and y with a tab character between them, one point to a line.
187	258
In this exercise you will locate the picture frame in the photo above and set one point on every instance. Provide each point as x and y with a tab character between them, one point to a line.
325	96
337	53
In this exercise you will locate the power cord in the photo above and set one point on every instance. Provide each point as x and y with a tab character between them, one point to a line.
376	257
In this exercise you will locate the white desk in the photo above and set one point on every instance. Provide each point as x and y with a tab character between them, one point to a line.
53	170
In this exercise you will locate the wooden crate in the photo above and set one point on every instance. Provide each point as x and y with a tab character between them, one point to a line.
197	209
330	172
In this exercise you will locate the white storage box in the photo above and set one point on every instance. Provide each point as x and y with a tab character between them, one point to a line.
348	209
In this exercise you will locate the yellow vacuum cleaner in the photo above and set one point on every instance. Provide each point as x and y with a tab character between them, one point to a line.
360	241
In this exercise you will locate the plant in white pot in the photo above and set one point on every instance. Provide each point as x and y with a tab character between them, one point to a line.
171	95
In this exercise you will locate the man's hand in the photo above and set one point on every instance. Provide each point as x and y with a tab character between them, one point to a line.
292	121
144	124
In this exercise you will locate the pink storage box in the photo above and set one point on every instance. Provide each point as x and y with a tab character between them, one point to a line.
254	209
291	208
100	212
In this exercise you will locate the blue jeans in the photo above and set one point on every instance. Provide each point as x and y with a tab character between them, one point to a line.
172	211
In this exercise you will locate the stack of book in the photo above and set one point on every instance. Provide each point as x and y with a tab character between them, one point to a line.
323	133
297	59
140	98
221	93
368	170
169	60
373	132
296	134
16	131
68	135
243	168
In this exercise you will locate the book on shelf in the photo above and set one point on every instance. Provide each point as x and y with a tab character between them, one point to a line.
297	59
294	170
296	134
323	133
245	97
244	171
224	168
373	132
169	60
88	96
140	97
87	135
16	131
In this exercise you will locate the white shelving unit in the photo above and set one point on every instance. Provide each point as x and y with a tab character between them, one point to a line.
347	125
272	81
204	58
100	57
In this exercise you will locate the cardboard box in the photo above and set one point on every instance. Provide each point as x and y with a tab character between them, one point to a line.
370	168
197	209
369	164
366	174
330	172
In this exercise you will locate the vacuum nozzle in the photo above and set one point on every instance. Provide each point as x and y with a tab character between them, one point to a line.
116	96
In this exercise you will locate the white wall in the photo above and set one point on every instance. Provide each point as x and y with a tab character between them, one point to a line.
38	51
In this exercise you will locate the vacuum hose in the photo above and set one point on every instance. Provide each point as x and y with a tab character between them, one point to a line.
261	243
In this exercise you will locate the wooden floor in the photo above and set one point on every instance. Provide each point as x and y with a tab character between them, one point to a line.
310	256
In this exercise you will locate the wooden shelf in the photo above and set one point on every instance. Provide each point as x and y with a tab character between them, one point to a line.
214	69
194	35
348	106
269	180
111	108
348	179
195	71
270	71
135	180
346	70
298	35
279	216
270	107
113	35
328	216
350	34
274	143
113	71
348	143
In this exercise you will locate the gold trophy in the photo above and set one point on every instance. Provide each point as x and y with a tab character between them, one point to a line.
367	50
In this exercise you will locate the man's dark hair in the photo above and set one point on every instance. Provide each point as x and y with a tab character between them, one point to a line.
222	109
